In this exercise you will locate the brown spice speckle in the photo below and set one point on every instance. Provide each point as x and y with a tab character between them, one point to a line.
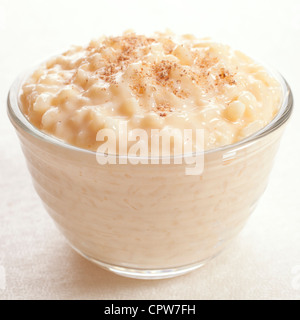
163	109
113	56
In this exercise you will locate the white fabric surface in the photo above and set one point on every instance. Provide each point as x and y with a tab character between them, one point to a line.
35	261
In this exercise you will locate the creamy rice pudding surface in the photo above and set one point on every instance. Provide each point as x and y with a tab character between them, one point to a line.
161	82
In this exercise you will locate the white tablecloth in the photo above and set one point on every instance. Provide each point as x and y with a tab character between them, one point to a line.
35	261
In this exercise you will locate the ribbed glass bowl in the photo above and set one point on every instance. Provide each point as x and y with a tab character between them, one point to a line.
149	221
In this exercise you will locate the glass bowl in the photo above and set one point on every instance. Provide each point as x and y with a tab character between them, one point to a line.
149	221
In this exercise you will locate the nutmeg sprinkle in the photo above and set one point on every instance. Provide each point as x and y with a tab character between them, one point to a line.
163	82
163	109
114	55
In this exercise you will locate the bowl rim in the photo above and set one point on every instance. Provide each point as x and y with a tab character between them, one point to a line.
20	121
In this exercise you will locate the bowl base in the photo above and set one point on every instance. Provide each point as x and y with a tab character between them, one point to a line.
145	274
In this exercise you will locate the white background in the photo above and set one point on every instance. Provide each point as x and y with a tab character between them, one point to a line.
262	263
